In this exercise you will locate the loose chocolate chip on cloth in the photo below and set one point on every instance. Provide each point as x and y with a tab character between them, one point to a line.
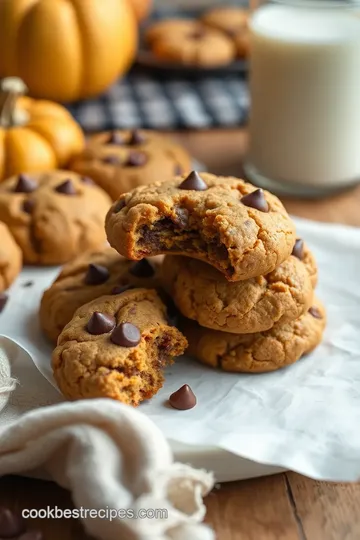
126	363
183	399
211	224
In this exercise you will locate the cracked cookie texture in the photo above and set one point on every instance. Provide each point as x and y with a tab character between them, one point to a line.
254	305
121	160
260	352
129	369
74	287
10	258
53	216
211	224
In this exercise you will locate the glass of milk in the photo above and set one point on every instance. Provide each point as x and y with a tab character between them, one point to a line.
305	95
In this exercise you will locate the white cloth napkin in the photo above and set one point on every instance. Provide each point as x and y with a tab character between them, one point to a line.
109	455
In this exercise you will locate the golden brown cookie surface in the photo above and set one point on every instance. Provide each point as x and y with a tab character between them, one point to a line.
93	274
10	258
122	160
189	42
203	294
224	221
260	352
117	347
53	216
233	21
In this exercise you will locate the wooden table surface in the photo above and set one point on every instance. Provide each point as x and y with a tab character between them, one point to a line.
282	507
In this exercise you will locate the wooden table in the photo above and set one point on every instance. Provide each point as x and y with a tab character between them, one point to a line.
282	507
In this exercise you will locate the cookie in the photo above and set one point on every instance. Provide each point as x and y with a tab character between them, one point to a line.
119	161
280	346
89	276
10	258
254	305
116	347
53	216
240	230
189	42
233	21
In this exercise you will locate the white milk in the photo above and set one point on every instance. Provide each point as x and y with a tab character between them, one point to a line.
305	87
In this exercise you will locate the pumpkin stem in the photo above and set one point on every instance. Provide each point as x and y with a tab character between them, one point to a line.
11	88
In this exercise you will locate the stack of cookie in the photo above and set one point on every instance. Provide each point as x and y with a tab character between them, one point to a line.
233	267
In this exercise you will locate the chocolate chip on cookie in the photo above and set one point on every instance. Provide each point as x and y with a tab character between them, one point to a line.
256	200
100	323
25	184
115	138
183	399
126	365
66	188
298	250
215	225
53	215
315	312
136	138
91	275
143	269
96	274
126	335
193	182
136	159
112	160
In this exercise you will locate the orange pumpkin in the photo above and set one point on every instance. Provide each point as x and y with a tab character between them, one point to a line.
66	50
34	135
142	8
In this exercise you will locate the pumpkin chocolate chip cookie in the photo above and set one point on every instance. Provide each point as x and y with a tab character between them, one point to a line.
10	258
116	347
189	42
94	274
240	230
254	305
53	216
233	21
280	346
119	161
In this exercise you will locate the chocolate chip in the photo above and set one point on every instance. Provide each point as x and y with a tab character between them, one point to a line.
118	289
183	399
142	269
197	34
66	188
298	250
181	218
178	169
136	138
115	138
119	206
11	524
28	284
136	159
88	181
96	274
31	535
3	301
100	323
256	200
28	206
315	312
25	184
193	182
126	335
112	160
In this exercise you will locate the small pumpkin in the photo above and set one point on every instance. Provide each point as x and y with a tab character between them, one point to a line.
141	8
66	51
35	135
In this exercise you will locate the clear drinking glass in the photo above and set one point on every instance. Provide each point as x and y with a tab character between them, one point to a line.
305	96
